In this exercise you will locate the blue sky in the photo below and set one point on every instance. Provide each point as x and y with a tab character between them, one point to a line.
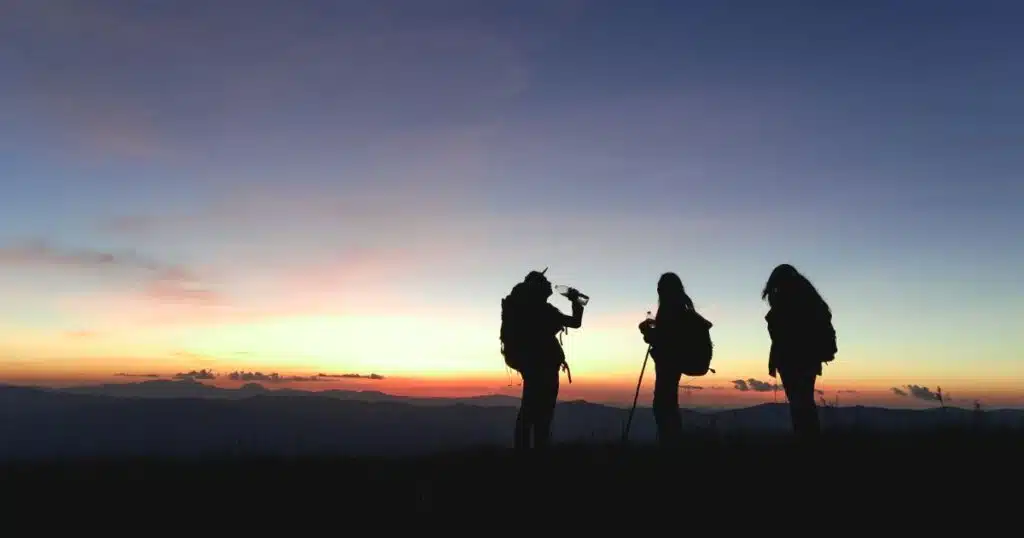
448	147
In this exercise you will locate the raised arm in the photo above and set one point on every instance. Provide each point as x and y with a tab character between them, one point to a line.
575	321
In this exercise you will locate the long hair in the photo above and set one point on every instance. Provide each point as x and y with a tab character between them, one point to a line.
787	287
672	297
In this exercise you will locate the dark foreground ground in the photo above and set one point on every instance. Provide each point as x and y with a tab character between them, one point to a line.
708	475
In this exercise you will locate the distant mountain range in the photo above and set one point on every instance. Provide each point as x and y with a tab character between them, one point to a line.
189	418
187	388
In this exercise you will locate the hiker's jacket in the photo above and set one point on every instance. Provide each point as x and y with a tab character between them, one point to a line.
539	325
802	336
673	334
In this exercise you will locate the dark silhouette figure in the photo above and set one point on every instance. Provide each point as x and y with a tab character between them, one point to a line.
800	326
675	338
530	327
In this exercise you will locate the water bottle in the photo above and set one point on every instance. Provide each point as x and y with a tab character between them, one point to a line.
646	325
649	322
563	290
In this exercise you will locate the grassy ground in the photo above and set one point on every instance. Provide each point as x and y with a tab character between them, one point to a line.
712	472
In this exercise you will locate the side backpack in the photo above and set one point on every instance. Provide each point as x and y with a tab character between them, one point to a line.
699	347
829	343
511	332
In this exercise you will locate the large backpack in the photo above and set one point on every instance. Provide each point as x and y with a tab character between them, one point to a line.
513	331
699	347
830	343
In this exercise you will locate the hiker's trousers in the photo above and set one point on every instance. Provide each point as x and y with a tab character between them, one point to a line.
666	402
537	408
798	384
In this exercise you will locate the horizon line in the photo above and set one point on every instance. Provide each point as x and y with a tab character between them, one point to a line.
721	407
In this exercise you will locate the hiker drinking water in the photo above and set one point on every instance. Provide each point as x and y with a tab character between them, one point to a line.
680	343
800	327
530	345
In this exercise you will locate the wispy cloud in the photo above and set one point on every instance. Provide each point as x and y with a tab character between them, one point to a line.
161	281
376	377
39	252
754	385
921	393
275	377
196	375
176	291
254	376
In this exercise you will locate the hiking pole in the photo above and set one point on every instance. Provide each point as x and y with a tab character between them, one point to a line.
629	421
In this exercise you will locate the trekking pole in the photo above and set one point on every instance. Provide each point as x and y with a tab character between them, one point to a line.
629	421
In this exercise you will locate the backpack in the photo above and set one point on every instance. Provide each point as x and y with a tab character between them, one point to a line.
693	349
512	331
831	345
699	347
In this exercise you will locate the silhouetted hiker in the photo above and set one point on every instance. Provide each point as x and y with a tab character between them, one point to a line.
680	344
529	342
800	326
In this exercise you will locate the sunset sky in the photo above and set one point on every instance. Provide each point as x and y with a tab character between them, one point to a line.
350	187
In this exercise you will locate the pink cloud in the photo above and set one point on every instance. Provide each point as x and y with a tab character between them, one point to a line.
43	253
175	291
118	311
159	281
364	281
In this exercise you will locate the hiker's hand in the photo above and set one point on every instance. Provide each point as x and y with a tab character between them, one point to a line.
572	294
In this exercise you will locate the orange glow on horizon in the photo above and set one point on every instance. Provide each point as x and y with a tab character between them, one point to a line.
716	391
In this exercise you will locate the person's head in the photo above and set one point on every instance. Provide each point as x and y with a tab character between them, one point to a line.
538	285
786	285
672	292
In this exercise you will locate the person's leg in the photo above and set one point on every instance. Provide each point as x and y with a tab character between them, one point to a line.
666	404
812	421
799	387
547	398
524	422
521	437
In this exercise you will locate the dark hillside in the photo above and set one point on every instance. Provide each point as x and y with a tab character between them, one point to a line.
719	472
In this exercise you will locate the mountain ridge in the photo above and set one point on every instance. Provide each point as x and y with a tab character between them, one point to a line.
49	423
